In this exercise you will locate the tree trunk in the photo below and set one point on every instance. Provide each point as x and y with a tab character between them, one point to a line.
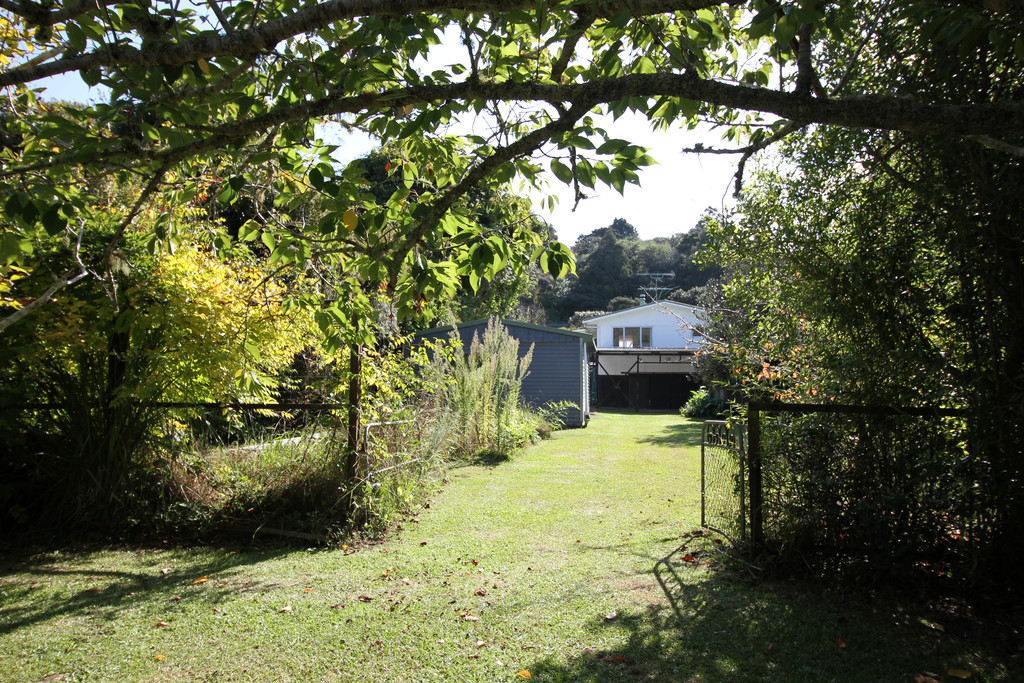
355	399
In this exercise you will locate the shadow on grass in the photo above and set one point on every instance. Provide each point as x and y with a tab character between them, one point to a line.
717	628
686	433
41	589
488	459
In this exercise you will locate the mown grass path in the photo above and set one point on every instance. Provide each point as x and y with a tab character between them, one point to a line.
564	563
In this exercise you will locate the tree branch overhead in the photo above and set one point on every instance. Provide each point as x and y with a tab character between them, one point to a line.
190	89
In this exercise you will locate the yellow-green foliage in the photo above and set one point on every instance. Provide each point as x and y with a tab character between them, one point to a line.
210	329
184	326
225	330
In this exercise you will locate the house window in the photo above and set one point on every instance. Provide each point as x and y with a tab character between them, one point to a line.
631	337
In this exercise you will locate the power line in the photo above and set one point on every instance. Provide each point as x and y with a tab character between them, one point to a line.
656	288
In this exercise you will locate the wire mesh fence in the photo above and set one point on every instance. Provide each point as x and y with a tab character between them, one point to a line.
389	446
392	462
252	426
722	480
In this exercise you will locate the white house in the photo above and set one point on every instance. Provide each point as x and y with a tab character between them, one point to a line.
644	356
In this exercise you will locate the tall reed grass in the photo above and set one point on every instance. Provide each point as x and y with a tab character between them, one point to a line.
485	395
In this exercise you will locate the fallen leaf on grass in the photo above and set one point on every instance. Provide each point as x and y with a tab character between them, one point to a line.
481	592
201	579
286	608
481	643
365	598
34	586
688	558
307	590
161	657
470	617
176	598
524	674
162	623
959	673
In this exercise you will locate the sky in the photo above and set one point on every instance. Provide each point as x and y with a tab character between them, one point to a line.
670	199
671	196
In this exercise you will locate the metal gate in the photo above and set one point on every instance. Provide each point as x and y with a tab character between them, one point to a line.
722	481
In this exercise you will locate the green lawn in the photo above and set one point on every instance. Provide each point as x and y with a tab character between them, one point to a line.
564	563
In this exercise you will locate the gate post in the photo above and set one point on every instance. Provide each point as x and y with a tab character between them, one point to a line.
754	462
703	442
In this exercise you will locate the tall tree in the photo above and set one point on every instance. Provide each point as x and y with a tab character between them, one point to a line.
691	272
885	266
249	83
623	229
246	86
604	275
859	277
586	244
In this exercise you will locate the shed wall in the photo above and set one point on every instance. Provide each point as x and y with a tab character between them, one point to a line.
557	372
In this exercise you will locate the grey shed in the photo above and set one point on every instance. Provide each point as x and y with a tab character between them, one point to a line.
558	372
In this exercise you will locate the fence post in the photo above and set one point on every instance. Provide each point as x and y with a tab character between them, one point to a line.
754	463
354	401
703	441
743	494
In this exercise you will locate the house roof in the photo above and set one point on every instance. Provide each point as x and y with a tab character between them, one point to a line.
482	322
669	305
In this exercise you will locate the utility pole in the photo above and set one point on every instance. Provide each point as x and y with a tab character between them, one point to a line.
656	288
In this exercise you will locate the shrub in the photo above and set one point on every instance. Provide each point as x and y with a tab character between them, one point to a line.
703	405
91	460
873	498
